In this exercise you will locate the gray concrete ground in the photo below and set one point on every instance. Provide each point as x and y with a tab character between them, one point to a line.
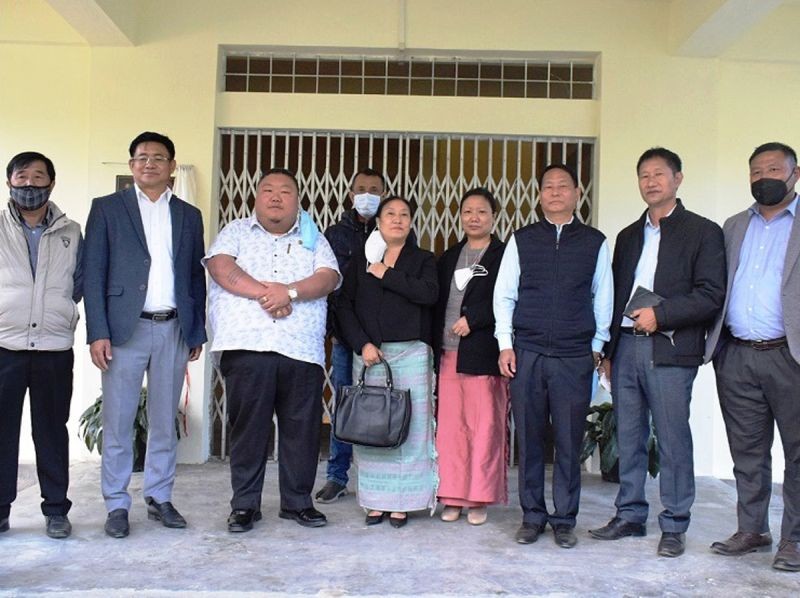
427	557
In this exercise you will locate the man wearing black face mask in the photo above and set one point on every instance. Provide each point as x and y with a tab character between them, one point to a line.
40	285
756	350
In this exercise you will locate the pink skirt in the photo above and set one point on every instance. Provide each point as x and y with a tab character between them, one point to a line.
471	437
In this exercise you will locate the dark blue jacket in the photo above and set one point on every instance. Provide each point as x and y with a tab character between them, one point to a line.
117	265
346	238
555	311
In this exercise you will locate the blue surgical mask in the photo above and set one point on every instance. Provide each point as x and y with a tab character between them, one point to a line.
308	231
30	198
366	204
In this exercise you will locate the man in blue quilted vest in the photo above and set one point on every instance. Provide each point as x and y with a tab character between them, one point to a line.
552	307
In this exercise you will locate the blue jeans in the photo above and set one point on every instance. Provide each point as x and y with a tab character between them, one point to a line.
340	452
640	390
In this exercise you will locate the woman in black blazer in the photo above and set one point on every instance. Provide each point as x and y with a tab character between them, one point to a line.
384	311
472	431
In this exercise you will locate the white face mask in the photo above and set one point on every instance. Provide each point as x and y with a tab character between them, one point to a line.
375	247
366	204
462	276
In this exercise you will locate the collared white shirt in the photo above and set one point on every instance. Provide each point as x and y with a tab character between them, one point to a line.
506	294
648	262
239	323
157	222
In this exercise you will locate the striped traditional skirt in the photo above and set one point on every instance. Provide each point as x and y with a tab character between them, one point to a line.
405	478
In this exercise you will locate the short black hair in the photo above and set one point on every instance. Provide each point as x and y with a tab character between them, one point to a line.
150	136
563	167
482	192
774	146
394	198
371	172
284	172
672	159
24	160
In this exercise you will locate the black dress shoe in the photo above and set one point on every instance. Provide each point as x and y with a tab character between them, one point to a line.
117	523
308	517
528	533
564	535
375	519
57	526
618	528
672	544
398	522
165	513
241	520
788	556
742	543
4	527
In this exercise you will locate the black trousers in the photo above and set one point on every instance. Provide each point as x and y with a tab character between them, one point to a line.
758	389
47	376
258	385
557	389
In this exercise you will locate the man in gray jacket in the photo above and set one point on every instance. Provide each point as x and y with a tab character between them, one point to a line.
40	285
755	345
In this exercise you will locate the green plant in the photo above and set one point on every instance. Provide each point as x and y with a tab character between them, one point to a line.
601	429
90	428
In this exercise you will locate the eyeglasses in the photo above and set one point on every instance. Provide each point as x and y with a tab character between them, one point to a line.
143	160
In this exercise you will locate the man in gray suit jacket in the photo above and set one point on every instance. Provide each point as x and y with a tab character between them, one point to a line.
145	294
755	346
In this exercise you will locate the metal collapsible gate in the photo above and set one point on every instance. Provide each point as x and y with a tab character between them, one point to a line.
432	170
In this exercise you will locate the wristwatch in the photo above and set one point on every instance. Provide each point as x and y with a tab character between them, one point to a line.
292	294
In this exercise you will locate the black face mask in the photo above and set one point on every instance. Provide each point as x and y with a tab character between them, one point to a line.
769	192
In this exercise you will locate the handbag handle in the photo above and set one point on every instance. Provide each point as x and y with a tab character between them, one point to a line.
387	369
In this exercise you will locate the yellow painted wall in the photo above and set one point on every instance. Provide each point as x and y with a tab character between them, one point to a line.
44	107
711	111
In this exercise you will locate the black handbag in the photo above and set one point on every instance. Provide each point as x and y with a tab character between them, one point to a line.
376	416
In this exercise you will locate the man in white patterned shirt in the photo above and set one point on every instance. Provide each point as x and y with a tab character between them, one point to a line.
267	311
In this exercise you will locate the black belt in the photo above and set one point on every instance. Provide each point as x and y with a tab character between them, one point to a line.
775	343
632	331
159	316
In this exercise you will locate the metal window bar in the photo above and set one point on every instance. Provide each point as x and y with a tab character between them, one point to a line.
468	78
433	170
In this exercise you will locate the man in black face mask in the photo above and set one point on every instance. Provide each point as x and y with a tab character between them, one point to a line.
756	350
40	285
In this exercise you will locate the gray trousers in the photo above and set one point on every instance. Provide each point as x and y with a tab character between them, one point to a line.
640	390
157	348
756	390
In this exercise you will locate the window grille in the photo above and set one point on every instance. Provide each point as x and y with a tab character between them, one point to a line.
431	170
409	76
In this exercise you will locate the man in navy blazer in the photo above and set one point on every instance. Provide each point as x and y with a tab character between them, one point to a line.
145	294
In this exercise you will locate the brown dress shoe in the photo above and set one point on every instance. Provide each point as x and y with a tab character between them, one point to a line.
742	543
788	556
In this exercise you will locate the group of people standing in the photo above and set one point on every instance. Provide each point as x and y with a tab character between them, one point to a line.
486	328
